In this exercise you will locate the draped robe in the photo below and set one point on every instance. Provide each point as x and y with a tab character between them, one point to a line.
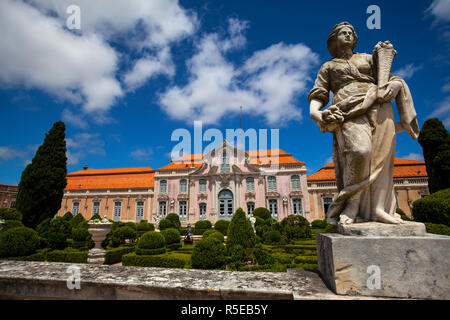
364	145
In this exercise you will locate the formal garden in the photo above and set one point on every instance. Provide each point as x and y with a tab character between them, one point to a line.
227	245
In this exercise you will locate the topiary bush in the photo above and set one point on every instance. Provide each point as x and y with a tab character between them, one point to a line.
263	256
403	215
10	214
18	242
237	256
201	226
165	224
10	224
114	255
240	231
121	234
68	216
208	253
76	221
81	239
158	261
68	255
213	233
273	236
262	213
175	219
172	237
319	224
143	227
222	226
434	208
151	243
295	227
96	217
55	232
437	228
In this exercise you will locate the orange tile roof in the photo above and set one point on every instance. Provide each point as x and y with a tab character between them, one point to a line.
181	165
403	168
122	178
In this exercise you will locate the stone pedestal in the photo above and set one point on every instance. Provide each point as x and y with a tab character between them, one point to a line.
386	266
98	231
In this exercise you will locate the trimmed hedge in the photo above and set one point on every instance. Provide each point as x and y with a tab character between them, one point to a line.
201	226
152	240
213	233
115	255
171	235
67	255
150	252
143	227
437	228
165	224
10	214
161	261
262	213
263	256
319	224
19	241
222	226
175	219
434	208
208	253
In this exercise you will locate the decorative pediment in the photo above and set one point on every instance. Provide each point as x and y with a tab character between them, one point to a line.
213	170
250	195
236	169
272	194
163	197
295	194
224	179
183	196
202	196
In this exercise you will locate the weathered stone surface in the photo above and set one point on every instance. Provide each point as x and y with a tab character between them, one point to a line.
410	267
20	279
407	228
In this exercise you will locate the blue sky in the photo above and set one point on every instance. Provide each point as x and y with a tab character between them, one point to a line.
138	70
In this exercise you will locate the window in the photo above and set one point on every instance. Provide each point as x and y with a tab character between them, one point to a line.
225	162
75	208
183	186
202	185
162	209
182	209
295	182
202	211
117	210
96	207
225	204
163	186
297	206
250	184
12	204
271	183
139	210
273	208
326	204
250	207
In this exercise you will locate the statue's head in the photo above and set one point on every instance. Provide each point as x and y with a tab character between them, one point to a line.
335	37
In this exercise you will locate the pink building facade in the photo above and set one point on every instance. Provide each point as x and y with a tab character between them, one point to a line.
213	186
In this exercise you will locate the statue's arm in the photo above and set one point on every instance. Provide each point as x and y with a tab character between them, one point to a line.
314	110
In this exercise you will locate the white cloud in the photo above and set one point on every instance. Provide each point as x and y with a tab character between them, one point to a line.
266	84
76	120
142	154
83	144
329	160
442	112
413	156
407	71
39	52
8	153
440	9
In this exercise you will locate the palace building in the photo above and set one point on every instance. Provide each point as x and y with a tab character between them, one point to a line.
212	186
8	196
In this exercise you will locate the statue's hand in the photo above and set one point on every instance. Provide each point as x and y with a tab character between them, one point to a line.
330	119
389	91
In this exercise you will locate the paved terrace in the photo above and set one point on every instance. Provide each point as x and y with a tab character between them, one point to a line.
25	280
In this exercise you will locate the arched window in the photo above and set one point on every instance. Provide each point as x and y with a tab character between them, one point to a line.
202	185
225	204
250	184
271	183
295	182
163	186
183	186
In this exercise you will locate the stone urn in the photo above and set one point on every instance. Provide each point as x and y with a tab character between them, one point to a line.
98	230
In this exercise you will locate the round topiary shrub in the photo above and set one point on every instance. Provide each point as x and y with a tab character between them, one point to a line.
165	224
76	221
262	213
18	242
96	217
222	226
434	208
319	224
173	238
151	243
10	214
273	236
175	219
295	227
121	234
55	232
201	226
240	231
68	216
208	253
213	233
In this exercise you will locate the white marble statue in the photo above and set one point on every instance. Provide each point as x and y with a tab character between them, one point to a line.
361	119
156	219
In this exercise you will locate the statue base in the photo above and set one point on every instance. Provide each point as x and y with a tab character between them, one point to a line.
385	266
369	229
96	256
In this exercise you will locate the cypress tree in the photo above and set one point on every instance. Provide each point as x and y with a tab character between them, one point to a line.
43	181
435	142
240	231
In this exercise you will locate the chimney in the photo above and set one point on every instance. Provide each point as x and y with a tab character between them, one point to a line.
85	167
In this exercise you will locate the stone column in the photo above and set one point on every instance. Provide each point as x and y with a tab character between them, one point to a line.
262	192
191	202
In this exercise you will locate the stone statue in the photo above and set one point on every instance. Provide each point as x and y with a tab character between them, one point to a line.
361	119
252	221
156	219
188	238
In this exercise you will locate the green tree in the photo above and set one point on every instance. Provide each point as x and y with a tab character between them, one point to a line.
435	142
240	231
43	181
